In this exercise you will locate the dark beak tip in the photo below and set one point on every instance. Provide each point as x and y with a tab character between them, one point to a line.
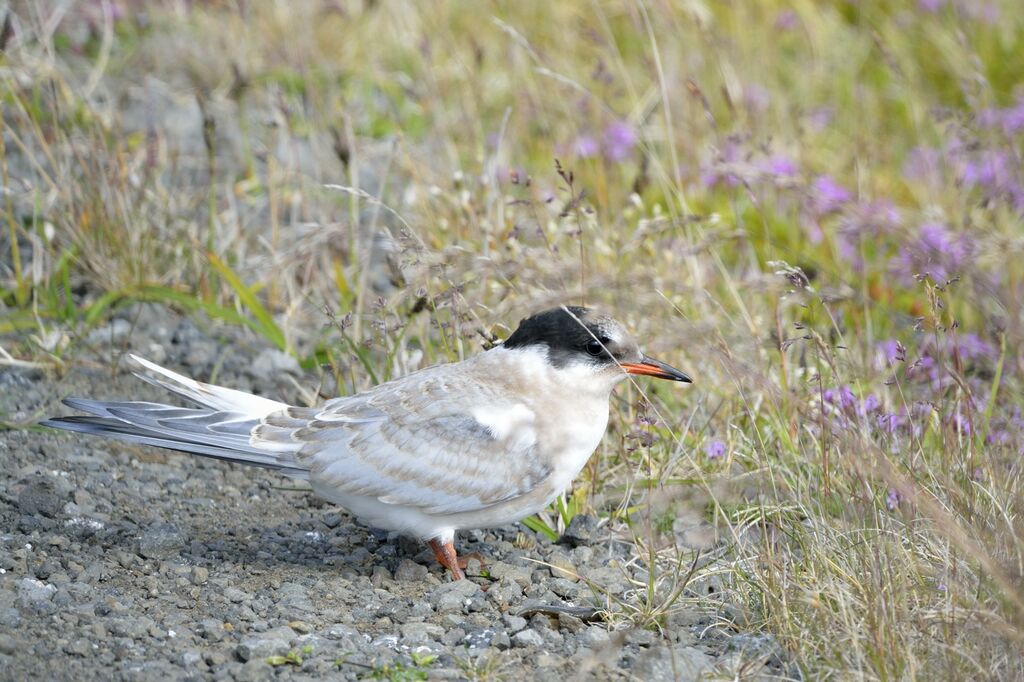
667	371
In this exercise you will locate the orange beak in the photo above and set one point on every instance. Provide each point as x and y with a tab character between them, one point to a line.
655	368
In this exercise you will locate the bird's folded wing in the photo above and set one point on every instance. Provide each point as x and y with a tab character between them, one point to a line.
410	448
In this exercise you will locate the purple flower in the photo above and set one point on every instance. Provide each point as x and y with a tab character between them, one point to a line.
890	423
828	195
786	20
585	147
931	5
715	449
962	423
842	396
893	499
972	347
989	169
756	97
923	164
619	140
936	251
730	154
779	166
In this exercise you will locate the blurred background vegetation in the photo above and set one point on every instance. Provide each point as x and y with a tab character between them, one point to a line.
814	208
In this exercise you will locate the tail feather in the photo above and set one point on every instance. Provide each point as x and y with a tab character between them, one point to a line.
208	395
220	428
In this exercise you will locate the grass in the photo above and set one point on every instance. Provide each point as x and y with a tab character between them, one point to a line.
813	208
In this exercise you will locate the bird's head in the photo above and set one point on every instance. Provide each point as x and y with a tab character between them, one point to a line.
584	341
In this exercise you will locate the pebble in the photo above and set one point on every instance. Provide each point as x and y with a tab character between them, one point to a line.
34	594
453	596
260	646
410	571
527	638
199	575
581	531
665	663
161	541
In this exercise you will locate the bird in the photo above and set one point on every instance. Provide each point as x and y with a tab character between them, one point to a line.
478	443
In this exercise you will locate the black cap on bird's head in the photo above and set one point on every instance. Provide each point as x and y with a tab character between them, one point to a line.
577	334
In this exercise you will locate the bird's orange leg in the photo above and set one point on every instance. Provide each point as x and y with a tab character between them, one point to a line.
445	554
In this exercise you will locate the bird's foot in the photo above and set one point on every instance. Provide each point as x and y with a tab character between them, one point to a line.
445	554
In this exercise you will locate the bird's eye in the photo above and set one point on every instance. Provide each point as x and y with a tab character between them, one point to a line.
595	347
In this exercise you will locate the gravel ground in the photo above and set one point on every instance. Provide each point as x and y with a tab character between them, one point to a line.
124	562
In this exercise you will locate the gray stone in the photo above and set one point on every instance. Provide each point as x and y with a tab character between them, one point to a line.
271	363
520	574
40	496
8	645
480	638
293	597
514	623
235	595
753	645
35	594
410	571
593	636
527	638
453	596
78	647
414	634
678	663
161	541
260	646
10	617
581	531
199	575
110	334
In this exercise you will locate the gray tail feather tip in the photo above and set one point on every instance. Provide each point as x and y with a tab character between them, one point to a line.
99	422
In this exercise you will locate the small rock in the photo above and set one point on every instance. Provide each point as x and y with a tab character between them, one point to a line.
301	627
199	575
34	593
415	634
293	597
215	658
271	363
235	595
110	334
78	647
753	645
8	645
570	624
527	638
520	574
479	638
562	567
210	630
514	623
593	636
664	663
453	596
41	497
410	572
260	646
10	617
501	641
161	541
581	531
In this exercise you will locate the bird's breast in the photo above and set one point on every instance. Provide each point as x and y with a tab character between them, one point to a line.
569	438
